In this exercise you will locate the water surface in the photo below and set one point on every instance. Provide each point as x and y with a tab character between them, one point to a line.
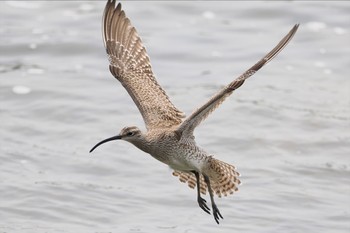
286	129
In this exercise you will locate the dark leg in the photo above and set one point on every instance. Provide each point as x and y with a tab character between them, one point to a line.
216	211
201	201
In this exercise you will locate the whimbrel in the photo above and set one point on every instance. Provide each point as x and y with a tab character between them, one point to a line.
169	136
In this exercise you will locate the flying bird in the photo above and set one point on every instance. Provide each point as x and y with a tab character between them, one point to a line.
169	137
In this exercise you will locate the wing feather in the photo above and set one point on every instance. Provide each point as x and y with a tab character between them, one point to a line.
187	127
130	64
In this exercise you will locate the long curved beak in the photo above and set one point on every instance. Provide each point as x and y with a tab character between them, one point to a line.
106	140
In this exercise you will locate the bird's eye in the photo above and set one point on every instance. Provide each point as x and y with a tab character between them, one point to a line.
130	134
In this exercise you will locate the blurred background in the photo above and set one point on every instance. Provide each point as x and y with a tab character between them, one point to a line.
286	129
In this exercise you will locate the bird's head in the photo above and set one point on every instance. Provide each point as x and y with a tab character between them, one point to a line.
130	134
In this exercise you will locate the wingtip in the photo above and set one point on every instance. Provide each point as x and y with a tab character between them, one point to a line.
113	3
295	27
119	6
294	30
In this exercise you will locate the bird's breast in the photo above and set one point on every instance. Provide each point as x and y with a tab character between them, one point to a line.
178	155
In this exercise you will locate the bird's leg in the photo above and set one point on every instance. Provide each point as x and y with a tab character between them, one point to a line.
201	201
216	211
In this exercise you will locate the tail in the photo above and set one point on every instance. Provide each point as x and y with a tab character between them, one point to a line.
223	177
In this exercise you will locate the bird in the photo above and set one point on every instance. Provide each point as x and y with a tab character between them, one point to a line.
169	135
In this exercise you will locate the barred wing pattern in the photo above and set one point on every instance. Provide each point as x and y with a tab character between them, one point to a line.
186	129
130	64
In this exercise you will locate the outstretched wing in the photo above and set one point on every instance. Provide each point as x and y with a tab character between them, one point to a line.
130	64
187	127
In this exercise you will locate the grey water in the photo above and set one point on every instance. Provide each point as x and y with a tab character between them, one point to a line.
286	129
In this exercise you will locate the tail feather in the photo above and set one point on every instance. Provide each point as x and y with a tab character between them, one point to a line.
223	177
190	179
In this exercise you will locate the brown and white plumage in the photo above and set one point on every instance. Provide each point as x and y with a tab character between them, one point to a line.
203	112
130	64
223	176
169	138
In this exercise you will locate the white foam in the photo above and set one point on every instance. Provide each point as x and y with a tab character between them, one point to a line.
21	90
319	64
33	45
327	71
86	7
24	4
339	31
216	54
208	14
316	26
322	50
35	71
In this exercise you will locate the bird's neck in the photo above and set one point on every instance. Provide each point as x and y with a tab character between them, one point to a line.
143	144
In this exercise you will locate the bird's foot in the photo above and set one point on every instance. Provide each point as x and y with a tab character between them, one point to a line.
202	203
217	214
